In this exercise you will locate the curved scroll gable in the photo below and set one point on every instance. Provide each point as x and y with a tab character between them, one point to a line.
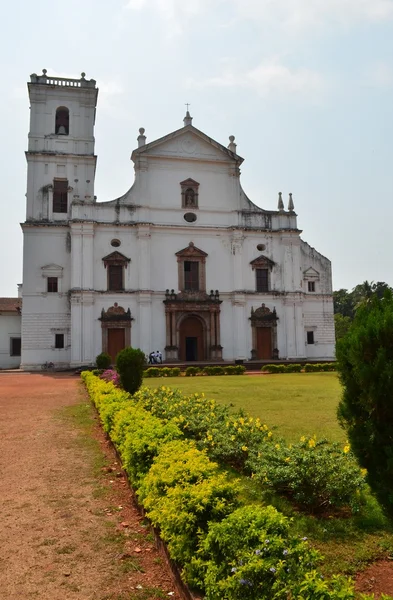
116	313
263	314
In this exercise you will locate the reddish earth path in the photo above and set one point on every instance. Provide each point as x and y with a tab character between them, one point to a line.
67	527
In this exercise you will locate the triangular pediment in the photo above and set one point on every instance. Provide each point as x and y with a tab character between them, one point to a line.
191	252
189	183
262	262
311	273
116	257
188	142
52	267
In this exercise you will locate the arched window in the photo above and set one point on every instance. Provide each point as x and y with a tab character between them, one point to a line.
62	121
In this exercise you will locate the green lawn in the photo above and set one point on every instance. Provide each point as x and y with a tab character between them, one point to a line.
297	403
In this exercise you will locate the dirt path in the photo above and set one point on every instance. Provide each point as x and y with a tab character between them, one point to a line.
67	527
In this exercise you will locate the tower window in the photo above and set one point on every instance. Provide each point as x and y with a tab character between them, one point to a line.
62	121
311	286
191	275
60	196
15	349
262	280
52	285
59	340
115	278
310	337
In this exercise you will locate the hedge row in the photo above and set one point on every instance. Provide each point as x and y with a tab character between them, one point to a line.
230	370
162	372
296	368
318	475
225	549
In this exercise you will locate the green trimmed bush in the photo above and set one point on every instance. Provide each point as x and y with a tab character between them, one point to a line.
129	365
318	475
293	368
192	371
183	493
273	368
152	372
103	361
138	436
251	554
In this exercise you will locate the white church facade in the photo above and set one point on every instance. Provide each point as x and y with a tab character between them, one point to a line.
183	263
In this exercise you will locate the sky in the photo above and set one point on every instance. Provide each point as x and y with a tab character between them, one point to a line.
305	86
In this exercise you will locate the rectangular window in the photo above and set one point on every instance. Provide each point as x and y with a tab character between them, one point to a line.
115	278
262	279
310	337
60	196
191	275
59	340
15	346
311	286
52	285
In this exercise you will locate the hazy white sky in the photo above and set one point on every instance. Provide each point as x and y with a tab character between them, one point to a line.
306	86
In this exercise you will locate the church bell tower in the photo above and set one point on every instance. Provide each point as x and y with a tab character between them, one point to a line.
60	157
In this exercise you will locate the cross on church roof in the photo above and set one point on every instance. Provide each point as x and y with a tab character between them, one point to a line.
187	104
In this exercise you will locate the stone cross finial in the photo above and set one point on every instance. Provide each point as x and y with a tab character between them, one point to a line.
141	137
291	206
280	201
188	118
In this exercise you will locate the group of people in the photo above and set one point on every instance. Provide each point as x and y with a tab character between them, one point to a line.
155	358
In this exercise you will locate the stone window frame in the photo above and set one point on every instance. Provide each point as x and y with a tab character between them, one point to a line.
115	259
189	184
263	262
61	122
310	275
65	332
192	254
12	349
52	271
310	335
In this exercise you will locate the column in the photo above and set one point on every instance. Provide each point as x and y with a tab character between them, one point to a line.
239	320
88	327
87	256
76	256
76	329
145	322
237	262
143	236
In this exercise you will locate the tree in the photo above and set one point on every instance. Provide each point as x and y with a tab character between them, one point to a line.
341	325
365	365
343	303
129	365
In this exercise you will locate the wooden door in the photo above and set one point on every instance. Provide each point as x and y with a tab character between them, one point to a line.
116	342
264	343
191	340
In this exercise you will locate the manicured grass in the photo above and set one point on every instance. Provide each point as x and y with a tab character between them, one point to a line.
296	403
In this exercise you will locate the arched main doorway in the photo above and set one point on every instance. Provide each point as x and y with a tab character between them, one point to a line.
191	339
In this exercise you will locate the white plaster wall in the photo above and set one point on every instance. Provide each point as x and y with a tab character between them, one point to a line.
10	327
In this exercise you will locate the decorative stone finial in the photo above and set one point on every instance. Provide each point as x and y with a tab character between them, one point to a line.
141	137
187	119
232	145
44	72
291	206
280	201
83	75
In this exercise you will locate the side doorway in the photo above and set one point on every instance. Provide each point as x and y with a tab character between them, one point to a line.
116	342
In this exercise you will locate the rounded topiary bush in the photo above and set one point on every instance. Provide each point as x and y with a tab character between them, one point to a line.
103	361
129	365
